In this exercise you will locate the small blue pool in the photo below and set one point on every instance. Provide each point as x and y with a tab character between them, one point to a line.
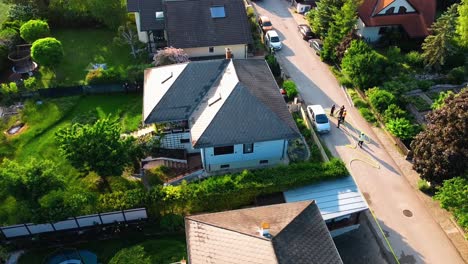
70	256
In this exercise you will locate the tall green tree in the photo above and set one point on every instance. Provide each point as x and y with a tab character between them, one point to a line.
441	150
439	45
98	147
462	23
321	17
362	65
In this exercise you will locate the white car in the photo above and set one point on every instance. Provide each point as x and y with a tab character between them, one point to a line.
319	118
273	40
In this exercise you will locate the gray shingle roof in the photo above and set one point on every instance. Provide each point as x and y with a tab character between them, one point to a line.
299	236
245	118
147	10
251	108
187	91
189	23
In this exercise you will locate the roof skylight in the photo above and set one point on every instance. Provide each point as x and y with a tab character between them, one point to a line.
217	12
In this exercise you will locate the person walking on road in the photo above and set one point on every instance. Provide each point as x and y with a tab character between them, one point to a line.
361	139
332	110
343	116
340	113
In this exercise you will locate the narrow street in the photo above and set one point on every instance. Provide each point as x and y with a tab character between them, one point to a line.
413	233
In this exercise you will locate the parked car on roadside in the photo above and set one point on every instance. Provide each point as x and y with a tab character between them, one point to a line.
319	118
272	40
317	45
265	23
305	31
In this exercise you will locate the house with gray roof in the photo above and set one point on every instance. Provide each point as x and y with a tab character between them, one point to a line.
292	233
229	112
203	28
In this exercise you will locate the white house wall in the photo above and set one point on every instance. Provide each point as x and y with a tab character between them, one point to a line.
142	35
239	51
273	151
172	141
370	34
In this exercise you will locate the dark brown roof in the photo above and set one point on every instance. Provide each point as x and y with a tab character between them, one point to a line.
299	236
416	24
189	23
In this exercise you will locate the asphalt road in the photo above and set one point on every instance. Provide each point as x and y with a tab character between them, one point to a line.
415	238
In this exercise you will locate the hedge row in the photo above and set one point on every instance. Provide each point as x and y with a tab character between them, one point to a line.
223	192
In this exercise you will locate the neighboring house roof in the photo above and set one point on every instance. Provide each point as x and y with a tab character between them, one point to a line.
416	24
226	102
189	23
147	10
298	236
334	198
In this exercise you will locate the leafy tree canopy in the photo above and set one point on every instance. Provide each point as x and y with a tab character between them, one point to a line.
440	151
34	30
462	23
135	254
380	99
453	196
47	51
111	13
439	45
98	147
321	17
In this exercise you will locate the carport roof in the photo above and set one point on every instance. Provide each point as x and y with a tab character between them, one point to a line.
334	198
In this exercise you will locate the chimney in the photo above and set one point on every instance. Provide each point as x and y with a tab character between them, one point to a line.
265	230
228	54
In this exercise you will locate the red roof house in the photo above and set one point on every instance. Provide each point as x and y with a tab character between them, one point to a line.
413	16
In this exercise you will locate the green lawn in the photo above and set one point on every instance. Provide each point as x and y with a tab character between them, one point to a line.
42	121
163	249
82	47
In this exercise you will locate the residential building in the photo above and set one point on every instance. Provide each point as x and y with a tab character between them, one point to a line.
283	233
229	112
413	17
203	28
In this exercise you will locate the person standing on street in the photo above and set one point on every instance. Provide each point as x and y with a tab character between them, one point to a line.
361	139
340	113
343	116
332	110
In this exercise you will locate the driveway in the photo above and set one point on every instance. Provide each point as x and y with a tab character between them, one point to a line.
411	230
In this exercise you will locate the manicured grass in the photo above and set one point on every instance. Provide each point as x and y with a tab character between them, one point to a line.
82	47
162	249
43	121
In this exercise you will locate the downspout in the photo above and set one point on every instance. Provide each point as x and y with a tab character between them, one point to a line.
284	146
204	160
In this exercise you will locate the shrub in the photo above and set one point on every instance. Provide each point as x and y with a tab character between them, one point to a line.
31	84
47	51
274	65
457	75
424	85
135	254
158	175
14	24
414	59
250	12
453	196
368	115
380	99
9	38
393	112
290	88
34	30
401	127
172	223
136	72
3	57
101	76
440	101
423	185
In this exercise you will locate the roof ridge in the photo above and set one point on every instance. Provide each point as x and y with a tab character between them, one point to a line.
312	203
228	229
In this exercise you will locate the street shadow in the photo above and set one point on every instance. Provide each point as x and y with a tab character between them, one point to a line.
278	8
380	161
